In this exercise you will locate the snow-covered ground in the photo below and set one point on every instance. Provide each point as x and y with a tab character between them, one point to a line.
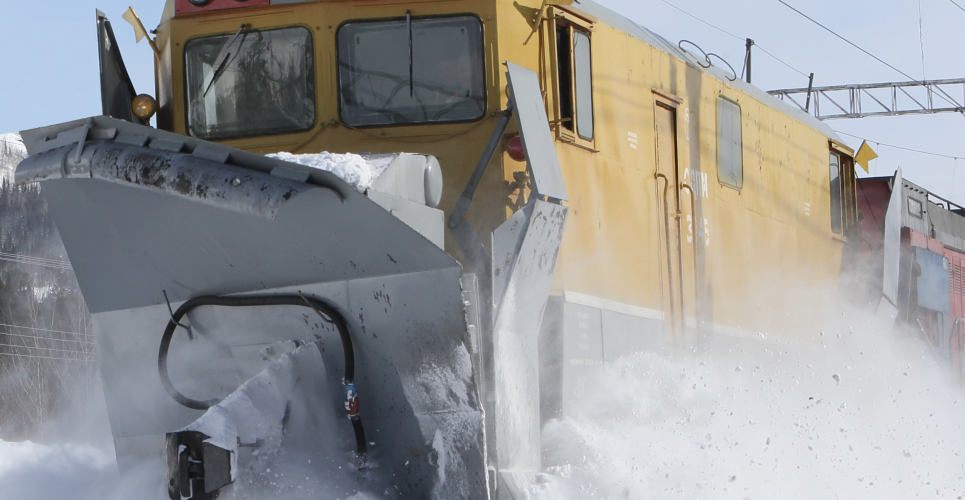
29	470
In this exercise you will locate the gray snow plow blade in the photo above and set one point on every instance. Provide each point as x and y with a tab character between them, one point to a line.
144	213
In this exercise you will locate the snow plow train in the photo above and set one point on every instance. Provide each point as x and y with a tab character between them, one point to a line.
276	289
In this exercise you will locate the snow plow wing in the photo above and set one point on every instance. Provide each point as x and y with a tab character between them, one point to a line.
153	220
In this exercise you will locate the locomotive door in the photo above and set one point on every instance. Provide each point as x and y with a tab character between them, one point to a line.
673	208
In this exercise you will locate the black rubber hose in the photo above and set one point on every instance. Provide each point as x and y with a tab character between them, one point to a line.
319	306
360	443
248	301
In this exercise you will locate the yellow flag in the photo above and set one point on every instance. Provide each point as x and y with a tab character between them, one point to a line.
865	154
139	32
131	17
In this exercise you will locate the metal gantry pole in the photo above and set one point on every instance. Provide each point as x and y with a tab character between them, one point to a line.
920	97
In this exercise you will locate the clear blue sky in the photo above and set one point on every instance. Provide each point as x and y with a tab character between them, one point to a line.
50	72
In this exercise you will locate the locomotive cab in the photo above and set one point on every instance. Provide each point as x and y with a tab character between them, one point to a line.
272	76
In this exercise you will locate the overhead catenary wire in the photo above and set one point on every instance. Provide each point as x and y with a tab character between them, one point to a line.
942	93
37	261
84	358
735	36
70	351
956	160
28	259
51	339
45	330
762	49
849	42
81	341
83	351
701	20
902	147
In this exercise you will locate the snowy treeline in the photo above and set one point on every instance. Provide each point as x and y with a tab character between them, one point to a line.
46	350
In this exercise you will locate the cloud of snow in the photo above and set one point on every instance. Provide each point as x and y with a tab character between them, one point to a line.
315	459
81	465
857	413
850	412
77	463
29	470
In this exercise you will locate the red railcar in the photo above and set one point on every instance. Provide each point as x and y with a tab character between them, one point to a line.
931	276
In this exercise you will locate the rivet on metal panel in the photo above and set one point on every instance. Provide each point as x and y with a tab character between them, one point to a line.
236	182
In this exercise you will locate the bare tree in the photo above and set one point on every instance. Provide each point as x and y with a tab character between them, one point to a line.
46	345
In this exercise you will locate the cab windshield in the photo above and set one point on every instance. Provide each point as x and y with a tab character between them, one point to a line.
409	71
250	83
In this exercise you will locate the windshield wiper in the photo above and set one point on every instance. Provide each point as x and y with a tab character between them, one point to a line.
221	62
408	24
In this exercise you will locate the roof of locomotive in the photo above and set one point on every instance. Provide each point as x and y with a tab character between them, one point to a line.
618	21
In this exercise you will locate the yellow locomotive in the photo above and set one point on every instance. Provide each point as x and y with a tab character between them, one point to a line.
696	207
691	193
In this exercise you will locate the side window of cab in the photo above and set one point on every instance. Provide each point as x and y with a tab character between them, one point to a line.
569	70
841	187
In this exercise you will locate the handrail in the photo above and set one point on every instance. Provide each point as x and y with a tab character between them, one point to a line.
948	203
693	212
666	228
957	328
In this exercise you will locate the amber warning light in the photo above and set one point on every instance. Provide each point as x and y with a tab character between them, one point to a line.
192	6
